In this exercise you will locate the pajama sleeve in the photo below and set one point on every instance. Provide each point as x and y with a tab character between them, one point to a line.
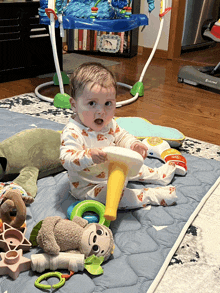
73	154
122	137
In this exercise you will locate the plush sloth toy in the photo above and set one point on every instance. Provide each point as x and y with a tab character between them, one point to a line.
57	234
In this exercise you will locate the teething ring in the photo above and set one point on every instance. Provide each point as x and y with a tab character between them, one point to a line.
49	275
88	206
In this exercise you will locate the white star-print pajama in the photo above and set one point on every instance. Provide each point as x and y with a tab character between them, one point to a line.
89	180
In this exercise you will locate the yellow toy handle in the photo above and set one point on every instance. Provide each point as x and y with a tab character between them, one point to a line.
122	163
116	180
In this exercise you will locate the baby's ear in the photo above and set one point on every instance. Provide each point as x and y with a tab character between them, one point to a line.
72	102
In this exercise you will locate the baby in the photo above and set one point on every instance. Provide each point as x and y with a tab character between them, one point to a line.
90	129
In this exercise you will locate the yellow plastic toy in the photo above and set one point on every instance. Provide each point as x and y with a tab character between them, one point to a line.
122	163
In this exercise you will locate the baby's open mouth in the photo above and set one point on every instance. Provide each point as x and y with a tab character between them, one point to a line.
99	121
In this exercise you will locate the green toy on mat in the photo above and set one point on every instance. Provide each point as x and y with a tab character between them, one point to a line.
29	155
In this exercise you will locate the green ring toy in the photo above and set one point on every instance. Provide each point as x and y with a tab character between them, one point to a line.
49	275
90	205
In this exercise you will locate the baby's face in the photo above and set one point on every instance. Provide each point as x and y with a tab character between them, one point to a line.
95	107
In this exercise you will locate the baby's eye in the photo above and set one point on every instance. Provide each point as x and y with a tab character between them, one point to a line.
108	103
92	103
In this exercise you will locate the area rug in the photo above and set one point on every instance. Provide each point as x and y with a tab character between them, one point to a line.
72	60
195	266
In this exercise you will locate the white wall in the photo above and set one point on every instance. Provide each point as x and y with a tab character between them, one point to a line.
148	37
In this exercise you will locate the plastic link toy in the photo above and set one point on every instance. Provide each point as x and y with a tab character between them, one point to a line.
49	275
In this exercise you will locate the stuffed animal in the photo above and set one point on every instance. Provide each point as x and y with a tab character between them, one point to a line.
57	234
12	201
24	158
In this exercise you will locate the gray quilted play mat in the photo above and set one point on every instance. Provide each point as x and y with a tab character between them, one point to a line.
145	239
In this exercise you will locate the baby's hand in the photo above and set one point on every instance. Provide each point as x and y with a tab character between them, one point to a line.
140	148
98	156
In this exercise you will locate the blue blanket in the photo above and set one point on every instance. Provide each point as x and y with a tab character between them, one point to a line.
143	237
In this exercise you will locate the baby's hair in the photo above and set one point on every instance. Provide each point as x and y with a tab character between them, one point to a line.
94	73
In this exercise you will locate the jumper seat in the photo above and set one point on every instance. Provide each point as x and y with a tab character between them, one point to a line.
108	25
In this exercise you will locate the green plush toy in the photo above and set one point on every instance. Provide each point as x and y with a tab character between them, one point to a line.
24	158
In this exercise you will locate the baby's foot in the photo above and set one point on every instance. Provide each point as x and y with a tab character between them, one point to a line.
165	196
180	162
166	173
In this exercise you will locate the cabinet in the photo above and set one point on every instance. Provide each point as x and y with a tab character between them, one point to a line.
79	42
25	46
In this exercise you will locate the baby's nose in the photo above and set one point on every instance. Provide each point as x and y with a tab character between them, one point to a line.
100	110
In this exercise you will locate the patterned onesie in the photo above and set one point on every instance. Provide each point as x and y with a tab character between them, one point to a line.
89	180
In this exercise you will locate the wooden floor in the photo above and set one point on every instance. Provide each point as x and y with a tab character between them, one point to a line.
193	111
204	56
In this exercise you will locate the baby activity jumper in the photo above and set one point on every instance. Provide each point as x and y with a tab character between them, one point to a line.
91	15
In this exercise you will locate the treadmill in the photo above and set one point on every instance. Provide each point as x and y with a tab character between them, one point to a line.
209	75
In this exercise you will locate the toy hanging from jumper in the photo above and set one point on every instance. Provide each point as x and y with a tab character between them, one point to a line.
96	15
